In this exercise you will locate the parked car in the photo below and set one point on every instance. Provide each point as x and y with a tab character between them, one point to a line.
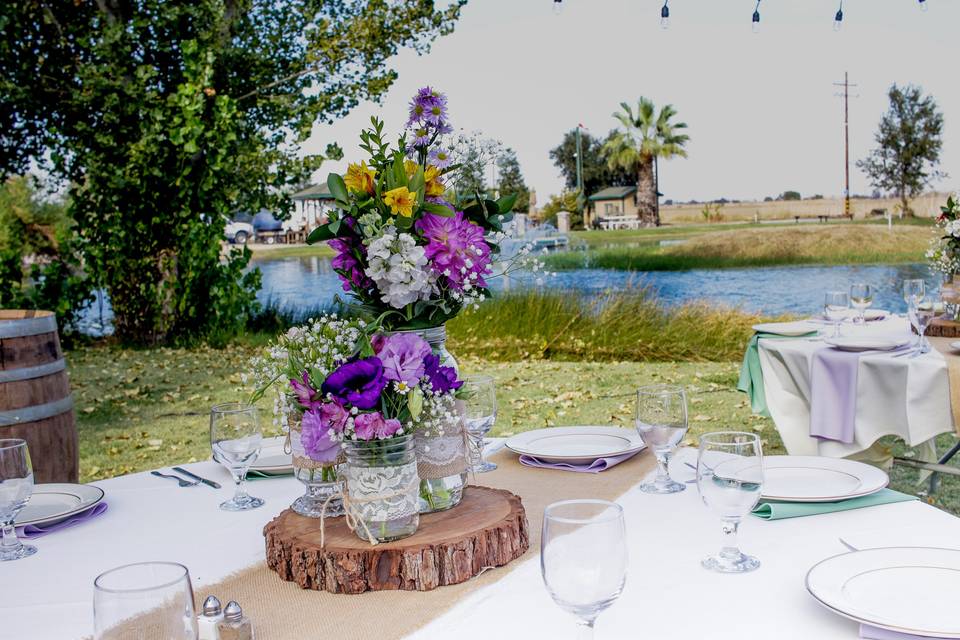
238	232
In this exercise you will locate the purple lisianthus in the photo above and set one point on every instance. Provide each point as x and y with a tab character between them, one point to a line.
370	426
442	379
356	382
402	355
306	395
318	436
346	263
456	249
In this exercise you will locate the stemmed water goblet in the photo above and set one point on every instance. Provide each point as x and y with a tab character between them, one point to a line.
729	478
147	599
835	307
861	296
236	440
913	292
921	314
583	558
16	487
480	405
661	421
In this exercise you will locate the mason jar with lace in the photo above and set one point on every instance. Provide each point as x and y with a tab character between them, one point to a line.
442	457
382	487
322	496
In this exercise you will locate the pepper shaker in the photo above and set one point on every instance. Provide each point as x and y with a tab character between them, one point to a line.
235	625
208	620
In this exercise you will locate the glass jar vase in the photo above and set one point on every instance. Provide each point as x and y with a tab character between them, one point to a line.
382	487
322	496
442	458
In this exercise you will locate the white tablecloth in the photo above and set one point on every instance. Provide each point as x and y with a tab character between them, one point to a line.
668	595
906	397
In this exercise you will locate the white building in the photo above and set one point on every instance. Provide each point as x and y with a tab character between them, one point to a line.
310	208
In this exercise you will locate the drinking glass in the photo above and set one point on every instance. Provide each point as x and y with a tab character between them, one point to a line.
661	421
480	400
861	296
913	291
835	306
144	600
16	487
729	477
921	315
583	557
236	438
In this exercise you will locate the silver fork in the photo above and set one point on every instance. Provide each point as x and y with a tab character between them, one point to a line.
183	483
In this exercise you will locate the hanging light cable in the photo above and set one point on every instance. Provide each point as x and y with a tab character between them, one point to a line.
923	5
557	7
838	19
755	22
665	16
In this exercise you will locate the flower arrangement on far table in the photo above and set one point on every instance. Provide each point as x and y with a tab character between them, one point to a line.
944	251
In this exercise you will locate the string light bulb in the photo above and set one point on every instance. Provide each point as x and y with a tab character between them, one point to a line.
665	16
838	19
557	7
755	22
923	5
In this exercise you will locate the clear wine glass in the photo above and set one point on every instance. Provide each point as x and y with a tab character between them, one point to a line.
236	439
913	292
921	315
661	421
861	296
583	558
148	599
16	487
480	400
835	307
730	477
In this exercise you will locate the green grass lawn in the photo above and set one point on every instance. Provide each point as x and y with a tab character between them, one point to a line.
277	251
145	409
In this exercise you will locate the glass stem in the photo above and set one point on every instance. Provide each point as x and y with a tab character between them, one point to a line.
663	472
585	629
239	494
10	542
728	545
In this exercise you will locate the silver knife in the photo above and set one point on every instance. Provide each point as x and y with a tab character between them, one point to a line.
209	483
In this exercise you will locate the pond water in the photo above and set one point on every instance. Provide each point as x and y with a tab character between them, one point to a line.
307	283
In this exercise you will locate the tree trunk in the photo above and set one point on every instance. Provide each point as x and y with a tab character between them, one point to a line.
647	194
905	205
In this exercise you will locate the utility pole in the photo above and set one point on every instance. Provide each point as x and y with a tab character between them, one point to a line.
846	140
581	196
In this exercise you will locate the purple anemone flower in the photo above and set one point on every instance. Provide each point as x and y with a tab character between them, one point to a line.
356	382
442	379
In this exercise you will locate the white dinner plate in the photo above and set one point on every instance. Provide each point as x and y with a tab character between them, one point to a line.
819	479
53	502
904	589
272	459
867	343
955	346
575	444
798	328
869	315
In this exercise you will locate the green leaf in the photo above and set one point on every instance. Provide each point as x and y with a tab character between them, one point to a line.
438	209
417	182
338	187
505	204
322	233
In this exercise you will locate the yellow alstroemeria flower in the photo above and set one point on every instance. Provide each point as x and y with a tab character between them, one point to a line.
400	201
360	178
410	166
434	185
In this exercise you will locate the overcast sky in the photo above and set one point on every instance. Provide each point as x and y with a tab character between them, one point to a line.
761	108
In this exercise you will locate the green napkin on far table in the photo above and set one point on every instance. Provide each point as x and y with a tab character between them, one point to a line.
260	475
772	510
751	378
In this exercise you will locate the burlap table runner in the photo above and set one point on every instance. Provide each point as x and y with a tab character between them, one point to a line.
282	611
953	372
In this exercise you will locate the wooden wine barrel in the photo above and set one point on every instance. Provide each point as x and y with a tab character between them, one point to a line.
35	400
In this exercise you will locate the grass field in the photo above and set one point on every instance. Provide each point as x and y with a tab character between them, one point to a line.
753	246
276	251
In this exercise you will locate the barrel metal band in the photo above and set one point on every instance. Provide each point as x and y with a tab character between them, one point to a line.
23	327
36	412
28	373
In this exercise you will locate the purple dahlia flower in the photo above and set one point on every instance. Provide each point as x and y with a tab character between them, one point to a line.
456	249
357	383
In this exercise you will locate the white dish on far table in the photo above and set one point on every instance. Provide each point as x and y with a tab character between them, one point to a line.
55	501
867	343
819	479
798	328
577	445
904	589
955	345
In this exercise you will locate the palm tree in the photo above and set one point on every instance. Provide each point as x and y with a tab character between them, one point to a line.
644	137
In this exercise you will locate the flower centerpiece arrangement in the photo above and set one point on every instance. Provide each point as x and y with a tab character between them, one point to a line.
363	397
944	251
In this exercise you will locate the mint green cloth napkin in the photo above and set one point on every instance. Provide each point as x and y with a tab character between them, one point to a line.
772	510
751	378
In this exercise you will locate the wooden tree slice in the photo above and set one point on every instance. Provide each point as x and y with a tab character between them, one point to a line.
487	529
943	328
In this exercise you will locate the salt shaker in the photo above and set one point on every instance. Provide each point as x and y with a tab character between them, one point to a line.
235	625
208	620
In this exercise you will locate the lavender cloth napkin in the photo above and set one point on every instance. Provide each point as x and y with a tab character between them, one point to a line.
30	531
874	633
598	465
833	394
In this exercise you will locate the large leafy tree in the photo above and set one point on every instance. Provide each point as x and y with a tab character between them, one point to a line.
511	181
645	136
909	142
168	116
596	173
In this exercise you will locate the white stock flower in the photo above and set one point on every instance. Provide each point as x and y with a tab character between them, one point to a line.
398	266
